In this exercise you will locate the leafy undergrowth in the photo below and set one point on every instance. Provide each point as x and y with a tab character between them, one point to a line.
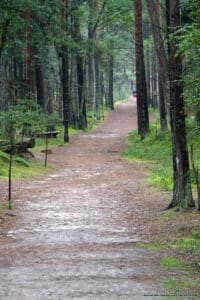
22	168
157	150
94	123
175	236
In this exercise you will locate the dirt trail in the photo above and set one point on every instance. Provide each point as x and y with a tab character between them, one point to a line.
75	231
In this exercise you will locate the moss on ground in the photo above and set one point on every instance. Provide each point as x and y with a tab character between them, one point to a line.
171	262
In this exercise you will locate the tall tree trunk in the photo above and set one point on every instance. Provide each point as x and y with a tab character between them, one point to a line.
39	80
153	11
97	67
162	106
12	88
97	85
28	55
65	76
80	78
174	201
74	119
3	34
148	76
65	90
91	80
183	190
19	78
49	84
84	99
142	105
197	115
154	80
80	72
4	96
110	87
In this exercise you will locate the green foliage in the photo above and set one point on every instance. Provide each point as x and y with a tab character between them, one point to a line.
2	208
21	120
171	262
4	157
182	287
156	148
189	47
21	168
44	20
4	160
153	246
22	161
171	283
190	243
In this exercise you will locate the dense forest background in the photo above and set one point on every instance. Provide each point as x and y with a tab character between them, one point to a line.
64	51
63	62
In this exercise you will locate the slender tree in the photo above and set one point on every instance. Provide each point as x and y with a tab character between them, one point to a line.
81	115
39	81
174	201
111	71
182	185
3	33
153	11
97	64
65	76
28	54
142	105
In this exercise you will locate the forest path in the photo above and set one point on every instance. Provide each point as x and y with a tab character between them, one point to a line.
75	231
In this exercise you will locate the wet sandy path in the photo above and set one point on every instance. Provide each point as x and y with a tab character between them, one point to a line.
75	231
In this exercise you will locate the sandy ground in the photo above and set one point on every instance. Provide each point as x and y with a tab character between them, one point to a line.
75	231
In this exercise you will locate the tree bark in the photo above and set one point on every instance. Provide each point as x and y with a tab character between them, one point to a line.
162	60
65	76
3	34
28	55
148	76
74	120
39	80
110	87
142	105
82	121
174	201
97	66
182	183
4	95
91	80
154	80
162	107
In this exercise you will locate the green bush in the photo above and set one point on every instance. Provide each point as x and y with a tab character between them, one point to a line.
22	161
